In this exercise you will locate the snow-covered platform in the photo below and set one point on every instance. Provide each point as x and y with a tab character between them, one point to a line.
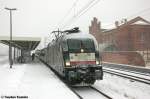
33	80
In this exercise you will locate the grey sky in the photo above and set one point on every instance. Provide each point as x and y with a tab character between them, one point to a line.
40	17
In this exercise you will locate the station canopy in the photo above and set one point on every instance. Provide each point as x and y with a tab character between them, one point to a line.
24	43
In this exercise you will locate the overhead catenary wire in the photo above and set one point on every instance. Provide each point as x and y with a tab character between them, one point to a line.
89	5
67	14
81	12
87	9
140	12
131	16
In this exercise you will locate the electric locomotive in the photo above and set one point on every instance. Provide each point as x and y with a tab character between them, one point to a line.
75	56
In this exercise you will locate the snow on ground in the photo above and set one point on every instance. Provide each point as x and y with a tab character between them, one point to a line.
38	82
3	59
88	93
120	88
146	76
33	80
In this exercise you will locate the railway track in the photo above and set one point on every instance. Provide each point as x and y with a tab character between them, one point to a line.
80	97
128	76
73	89
91	90
132	69
120	69
104	94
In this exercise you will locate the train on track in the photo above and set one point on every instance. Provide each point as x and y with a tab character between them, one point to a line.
74	56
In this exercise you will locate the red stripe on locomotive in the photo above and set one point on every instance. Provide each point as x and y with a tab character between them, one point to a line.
82	62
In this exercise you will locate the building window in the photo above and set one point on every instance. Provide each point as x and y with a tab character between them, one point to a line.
142	37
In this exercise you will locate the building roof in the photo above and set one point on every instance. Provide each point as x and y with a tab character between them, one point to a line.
136	21
25	43
140	22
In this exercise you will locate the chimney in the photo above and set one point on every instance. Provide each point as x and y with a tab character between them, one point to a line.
116	24
99	26
95	19
125	20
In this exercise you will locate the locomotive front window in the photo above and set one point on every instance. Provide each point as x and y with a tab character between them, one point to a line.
64	46
74	44
88	44
78	44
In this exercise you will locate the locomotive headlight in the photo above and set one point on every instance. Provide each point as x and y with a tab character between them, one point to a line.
67	63
97	62
82	50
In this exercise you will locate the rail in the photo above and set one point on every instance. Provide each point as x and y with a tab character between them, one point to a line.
80	97
128	68
128	76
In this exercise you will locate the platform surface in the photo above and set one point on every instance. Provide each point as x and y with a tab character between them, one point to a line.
34	80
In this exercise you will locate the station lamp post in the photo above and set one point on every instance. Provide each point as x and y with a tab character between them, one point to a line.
10	42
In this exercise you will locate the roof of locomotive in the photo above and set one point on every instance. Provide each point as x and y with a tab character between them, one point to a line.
79	35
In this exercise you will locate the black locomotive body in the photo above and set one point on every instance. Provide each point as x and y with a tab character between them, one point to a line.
75	57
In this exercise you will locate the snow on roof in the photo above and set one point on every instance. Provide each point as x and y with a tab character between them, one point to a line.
26	43
20	38
140	22
106	27
79	35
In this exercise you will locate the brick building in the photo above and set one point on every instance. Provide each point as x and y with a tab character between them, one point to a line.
128	37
